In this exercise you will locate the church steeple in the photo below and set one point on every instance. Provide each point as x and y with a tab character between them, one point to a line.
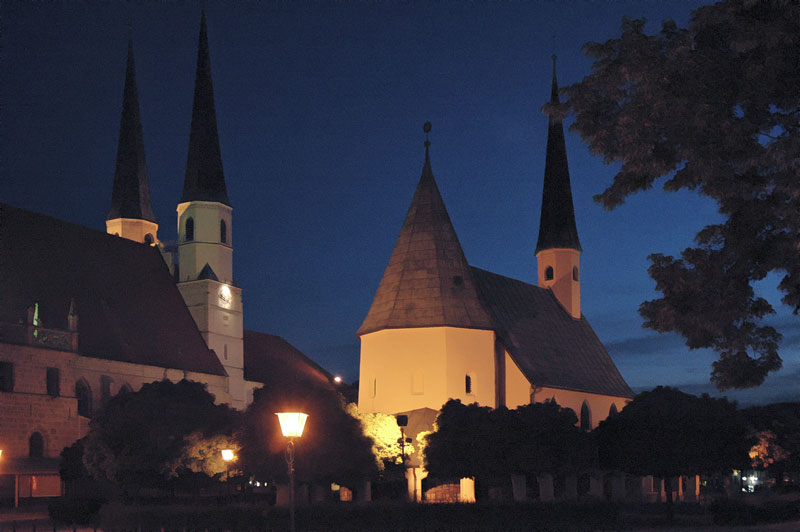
131	214
428	282
558	248
205	180
205	235
557	227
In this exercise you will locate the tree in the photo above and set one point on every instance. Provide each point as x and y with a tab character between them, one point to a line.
777	427
333	447
385	434
141	439
712	108
667	433
476	441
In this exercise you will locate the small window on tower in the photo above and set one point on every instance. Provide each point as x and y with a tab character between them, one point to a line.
189	229
575	276
468	385
548	273
148	239
223	232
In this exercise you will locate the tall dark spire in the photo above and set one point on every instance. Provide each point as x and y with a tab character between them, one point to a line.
204	180
130	197
557	227
428	282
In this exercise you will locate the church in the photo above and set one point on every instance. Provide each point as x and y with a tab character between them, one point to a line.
86	315
439	328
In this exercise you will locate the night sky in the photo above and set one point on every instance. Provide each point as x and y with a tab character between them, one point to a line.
320	107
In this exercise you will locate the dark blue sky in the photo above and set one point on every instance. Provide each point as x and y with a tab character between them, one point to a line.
320	108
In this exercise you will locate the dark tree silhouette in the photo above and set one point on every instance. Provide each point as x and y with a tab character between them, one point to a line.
139	439
472	440
667	433
333	447
712	108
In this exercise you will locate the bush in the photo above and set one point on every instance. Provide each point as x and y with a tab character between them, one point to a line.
74	510
733	513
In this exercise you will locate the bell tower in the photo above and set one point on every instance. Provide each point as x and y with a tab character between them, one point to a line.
131	214
205	235
558	249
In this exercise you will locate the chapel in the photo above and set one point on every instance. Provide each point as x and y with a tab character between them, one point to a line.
441	329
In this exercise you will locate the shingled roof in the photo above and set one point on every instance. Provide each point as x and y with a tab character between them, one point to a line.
270	359
557	228
205	180
130	197
428	282
128	306
550	347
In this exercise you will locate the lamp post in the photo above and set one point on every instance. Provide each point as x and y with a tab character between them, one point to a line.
292	425
227	456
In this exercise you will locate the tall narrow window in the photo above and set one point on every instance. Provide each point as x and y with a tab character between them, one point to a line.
468	384
612	411
586	417
189	229
84	396
36	445
223	232
6	377
105	389
374	387
148	239
575	275
53	385
548	274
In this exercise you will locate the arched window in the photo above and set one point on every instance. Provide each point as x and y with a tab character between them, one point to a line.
36	445
223	232
612	411
148	239
575	276
548	273
468	384
586	417
189	229
125	388
84	396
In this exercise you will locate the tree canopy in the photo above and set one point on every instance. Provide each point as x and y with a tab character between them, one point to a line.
712	108
666	433
472	440
333	447
141	439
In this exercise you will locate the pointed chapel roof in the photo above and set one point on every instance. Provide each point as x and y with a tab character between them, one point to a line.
204	179
428	282
130	197
557	227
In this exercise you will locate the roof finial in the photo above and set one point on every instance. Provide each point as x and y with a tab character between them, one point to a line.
427	129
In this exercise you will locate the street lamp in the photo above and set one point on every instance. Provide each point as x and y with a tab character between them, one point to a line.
227	456
292	425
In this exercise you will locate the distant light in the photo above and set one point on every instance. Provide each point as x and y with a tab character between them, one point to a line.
227	455
337	379
292	423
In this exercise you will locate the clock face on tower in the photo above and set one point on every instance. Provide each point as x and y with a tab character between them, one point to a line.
225	296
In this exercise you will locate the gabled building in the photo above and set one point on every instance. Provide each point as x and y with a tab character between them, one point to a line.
440	328
86	315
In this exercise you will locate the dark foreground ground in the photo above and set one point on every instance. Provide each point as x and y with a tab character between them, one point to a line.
406	517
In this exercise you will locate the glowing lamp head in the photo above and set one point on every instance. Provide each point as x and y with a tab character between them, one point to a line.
227	455
337	379
292	423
